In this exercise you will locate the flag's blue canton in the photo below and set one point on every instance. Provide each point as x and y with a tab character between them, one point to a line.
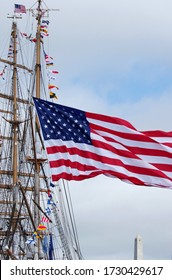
61	122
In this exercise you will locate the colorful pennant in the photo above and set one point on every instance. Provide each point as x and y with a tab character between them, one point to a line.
41	227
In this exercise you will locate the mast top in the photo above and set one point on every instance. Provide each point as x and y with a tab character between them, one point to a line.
40	11
37	12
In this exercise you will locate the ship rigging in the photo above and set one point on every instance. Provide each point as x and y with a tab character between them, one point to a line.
36	216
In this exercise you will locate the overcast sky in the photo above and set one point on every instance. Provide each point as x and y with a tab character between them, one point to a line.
115	57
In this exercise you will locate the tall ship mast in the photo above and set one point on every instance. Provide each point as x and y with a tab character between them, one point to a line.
36	215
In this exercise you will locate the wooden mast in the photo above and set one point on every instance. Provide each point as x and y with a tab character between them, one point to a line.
15	123
38	47
15	132
37	164
38	161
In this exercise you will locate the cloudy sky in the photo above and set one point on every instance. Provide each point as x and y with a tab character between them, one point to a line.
115	57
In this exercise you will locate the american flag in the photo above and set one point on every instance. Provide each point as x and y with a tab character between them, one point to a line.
82	145
19	9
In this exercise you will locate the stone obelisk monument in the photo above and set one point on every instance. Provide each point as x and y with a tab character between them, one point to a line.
138	248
